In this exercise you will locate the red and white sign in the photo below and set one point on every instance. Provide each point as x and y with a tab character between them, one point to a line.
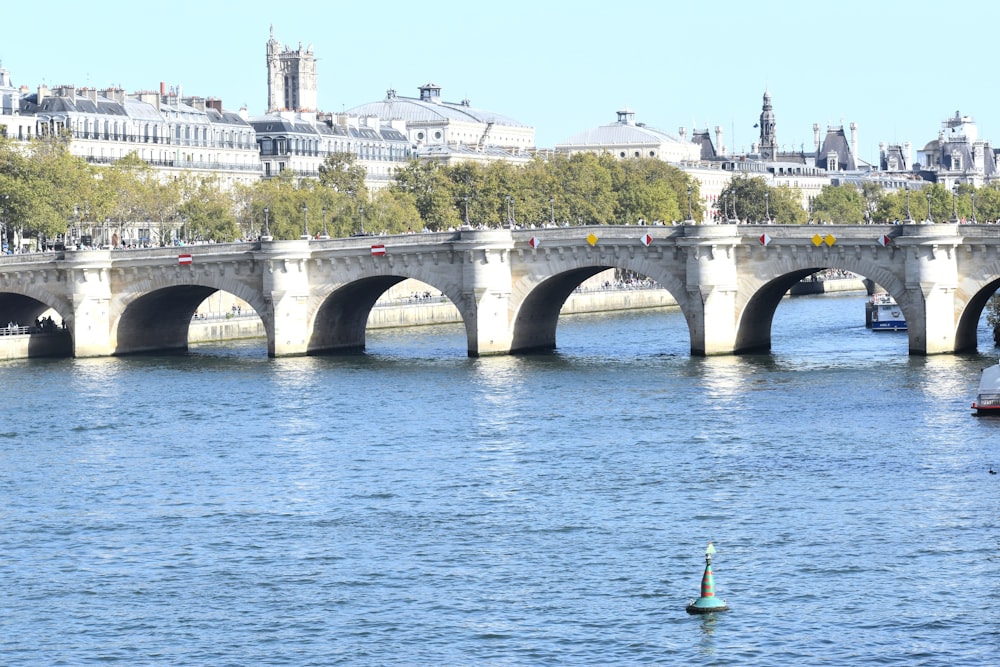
884	240
533	242
646	239
184	259
764	239
378	250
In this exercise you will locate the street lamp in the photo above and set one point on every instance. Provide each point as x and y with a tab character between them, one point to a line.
3	223
929	218
266	231
954	206
361	212
767	207
325	235
690	217
510	211
466	198
305	221
552	211
909	218
973	220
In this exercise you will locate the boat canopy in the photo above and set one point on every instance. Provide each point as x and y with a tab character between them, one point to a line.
989	383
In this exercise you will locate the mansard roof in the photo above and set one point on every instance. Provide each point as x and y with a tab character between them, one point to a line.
836	142
56	104
704	140
276	124
226	118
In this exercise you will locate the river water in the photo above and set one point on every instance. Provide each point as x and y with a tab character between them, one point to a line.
412	506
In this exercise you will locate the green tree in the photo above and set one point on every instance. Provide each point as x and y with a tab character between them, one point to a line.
840	204
746	196
207	211
650	190
341	173
392	213
993	317
433	193
786	206
586	187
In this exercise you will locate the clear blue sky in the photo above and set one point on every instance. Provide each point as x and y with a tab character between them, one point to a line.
897	69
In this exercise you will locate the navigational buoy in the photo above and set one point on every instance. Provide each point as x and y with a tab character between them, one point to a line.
707	603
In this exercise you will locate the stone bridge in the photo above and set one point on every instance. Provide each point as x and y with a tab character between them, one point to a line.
314	296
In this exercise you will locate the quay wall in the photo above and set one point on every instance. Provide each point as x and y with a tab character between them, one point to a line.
434	310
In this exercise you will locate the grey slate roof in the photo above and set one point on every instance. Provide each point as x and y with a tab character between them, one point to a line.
836	142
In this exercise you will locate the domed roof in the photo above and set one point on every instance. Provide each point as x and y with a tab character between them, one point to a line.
625	131
429	108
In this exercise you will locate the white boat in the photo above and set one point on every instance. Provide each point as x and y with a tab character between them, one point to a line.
988	398
884	314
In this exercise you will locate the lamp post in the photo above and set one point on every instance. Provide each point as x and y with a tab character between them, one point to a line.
305	221
361	213
929	218
552	211
466	198
325	235
266	235
954	205
909	218
690	217
510	211
767	207
3	223
973	219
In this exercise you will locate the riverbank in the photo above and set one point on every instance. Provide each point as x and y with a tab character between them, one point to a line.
418	311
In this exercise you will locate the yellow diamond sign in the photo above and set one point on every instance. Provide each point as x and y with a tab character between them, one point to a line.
830	239
592	239
817	240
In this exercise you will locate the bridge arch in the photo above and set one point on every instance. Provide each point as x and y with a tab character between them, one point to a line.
23	304
973	298
340	315
537	297
155	313
765	291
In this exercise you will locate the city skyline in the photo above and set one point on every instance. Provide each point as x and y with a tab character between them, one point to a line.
558	72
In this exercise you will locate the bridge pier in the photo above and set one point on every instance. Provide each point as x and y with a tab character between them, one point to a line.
931	281
486	290
286	293
712	288
89	282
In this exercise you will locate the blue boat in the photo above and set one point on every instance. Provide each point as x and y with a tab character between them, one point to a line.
884	314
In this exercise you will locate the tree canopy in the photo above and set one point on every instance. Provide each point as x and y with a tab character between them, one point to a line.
45	192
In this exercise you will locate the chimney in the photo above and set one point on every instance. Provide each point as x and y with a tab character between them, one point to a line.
718	140
816	135
213	103
163	88
682	132
43	92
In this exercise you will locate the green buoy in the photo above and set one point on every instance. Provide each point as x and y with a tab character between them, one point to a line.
707	603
